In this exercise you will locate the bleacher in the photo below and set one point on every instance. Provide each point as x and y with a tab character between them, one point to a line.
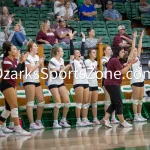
32	18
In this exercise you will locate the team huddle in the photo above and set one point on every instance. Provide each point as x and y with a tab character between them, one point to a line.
86	90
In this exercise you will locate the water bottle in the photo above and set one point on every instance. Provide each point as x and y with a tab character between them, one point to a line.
20	84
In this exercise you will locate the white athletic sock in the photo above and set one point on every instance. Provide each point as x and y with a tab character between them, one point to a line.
78	119
113	117
56	121
32	124
139	114
63	119
11	123
84	119
95	119
38	121
136	116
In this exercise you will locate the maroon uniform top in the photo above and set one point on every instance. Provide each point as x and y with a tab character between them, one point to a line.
114	65
117	40
7	63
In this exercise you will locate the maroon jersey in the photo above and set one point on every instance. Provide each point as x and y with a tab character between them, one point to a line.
7	63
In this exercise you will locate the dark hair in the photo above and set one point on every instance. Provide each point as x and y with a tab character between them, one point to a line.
30	45
54	51
88	30
116	51
90	50
6	48
56	15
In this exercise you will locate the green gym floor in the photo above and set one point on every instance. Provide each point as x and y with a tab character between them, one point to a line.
87	138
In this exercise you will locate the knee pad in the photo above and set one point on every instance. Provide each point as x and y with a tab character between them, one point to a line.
31	103
67	105
58	105
85	106
140	102
88	105
14	113
5	114
41	104
107	103
94	105
79	105
135	102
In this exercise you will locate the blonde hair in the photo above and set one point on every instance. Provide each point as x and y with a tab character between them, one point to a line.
42	27
54	51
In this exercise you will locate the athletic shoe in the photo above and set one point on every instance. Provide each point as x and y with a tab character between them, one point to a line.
11	126
80	124
114	121
96	122
142	118
39	123
34	126
106	123
137	119
2	134
64	124
56	125
125	124
21	132
6	130
87	123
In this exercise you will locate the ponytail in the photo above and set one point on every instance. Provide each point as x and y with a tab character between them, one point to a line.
54	51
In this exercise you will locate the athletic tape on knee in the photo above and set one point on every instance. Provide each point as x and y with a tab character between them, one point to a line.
79	105
14	113
85	106
5	114
94	105
107	103
41	104
140	102
57	105
31	103
67	105
135	102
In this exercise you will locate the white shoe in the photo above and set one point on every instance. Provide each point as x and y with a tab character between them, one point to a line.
39	123
106	123
1	133
114	121
80	124
56	126
64	124
33	126
87	123
137	119
96	122
125	124
11	126
142	118
6	130
21	132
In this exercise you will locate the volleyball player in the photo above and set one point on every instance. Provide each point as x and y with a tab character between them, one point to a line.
115	70
56	86
137	78
10	69
107	53
32	86
91	65
80	83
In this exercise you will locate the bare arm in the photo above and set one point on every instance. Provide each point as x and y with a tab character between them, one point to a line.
62	35
127	39
125	69
124	45
140	43
133	45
